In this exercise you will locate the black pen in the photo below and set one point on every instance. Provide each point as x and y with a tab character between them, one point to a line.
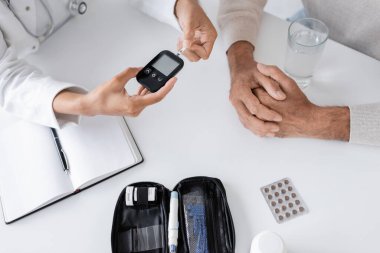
61	151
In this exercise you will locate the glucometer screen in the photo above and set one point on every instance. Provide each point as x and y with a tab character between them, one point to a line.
165	65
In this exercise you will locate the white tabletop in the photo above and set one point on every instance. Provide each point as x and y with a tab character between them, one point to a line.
195	131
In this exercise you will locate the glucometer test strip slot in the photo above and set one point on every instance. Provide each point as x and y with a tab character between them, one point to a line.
61	152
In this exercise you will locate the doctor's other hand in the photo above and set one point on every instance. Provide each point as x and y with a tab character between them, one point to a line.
111	98
300	117
199	34
254	115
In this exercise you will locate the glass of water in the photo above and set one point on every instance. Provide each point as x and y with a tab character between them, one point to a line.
306	40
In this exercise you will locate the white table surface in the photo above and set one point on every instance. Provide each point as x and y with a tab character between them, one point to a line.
195	131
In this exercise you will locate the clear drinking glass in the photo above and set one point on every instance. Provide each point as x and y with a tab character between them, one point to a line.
306	40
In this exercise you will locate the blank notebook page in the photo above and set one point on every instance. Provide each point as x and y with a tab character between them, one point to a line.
31	171
98	146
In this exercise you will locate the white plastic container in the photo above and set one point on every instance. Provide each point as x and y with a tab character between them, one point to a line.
268	242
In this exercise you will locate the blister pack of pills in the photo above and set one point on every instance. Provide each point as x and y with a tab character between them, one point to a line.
284	200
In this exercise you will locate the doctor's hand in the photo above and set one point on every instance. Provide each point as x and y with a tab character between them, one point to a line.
199	34
254	115
111	98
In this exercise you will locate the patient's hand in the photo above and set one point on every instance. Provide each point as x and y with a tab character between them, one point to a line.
111	98
245	77
300	117
199	34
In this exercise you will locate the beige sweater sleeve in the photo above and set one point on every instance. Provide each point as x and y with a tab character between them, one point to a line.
239	20
365	124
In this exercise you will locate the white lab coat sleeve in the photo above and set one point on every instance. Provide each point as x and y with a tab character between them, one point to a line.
162	10
27	93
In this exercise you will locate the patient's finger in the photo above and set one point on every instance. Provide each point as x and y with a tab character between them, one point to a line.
200	51
192	52
191	55
208	45
255	125
285	82
261	111
271	86
264	97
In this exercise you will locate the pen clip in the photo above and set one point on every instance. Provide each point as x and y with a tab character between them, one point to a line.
65	162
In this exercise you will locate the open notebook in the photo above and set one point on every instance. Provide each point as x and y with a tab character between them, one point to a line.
31	170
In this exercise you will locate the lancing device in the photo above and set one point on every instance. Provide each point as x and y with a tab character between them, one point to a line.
173	223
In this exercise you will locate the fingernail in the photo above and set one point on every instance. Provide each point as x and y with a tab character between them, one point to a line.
278	118
270	135
260	65
275	129
280	94
186	44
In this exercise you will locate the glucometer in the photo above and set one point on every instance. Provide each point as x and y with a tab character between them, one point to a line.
159	70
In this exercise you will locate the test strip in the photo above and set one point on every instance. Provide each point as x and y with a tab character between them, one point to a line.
181	51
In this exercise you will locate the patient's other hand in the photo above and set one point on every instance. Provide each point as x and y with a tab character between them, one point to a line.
300	117
245	77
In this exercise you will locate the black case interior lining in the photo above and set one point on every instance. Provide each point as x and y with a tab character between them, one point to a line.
205	221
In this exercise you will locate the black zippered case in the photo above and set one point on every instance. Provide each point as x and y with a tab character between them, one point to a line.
205	221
